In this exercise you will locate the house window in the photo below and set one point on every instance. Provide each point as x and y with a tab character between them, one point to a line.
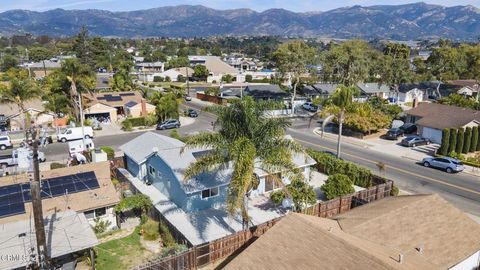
89	214
211	192
100	212
151	170
271	183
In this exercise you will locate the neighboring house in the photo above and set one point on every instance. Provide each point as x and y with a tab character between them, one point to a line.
38	69
35	110
134	109
374	89
432	118
173	73
266	92
194	206
408	93
85	189
68	234
149	67
326	89
103	81
138	59
402	232
111	105
216	67
468	88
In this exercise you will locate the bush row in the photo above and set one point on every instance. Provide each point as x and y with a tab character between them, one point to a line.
460	141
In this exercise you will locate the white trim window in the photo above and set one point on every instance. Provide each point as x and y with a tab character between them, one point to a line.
209	193
99	212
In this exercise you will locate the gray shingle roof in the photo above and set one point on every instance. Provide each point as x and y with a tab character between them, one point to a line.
441	116
326	88
143	146
372	88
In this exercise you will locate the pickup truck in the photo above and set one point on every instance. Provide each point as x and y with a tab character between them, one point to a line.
12	159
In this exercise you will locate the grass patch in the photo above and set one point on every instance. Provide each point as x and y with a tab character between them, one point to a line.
121	253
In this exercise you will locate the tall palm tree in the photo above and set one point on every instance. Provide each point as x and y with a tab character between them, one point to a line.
19	92
81	77
336	106
247	139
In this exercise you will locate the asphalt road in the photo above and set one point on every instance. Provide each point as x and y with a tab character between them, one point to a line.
461	189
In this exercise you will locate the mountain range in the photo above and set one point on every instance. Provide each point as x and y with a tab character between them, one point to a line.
409	21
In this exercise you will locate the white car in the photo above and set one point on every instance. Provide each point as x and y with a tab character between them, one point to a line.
75	133
5	142
309	106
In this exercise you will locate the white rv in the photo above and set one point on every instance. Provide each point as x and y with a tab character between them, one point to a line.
75	147
70	134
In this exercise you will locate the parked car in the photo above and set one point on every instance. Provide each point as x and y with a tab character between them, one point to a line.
445	163
192	113
393	134
172	123
12	158
412	141
309	106
48	140
75	133
188	98
408	128
5	142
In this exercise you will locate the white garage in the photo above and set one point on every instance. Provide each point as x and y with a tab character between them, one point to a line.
435	135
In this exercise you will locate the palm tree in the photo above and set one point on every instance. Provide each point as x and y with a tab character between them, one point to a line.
19	92
246	140
81	78
339	101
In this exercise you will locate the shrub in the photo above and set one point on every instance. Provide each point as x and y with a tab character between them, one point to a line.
110	152
168	79
157	78
212	91
460	140
150	119
248	78
329	164
455	155
467	140
172	250
150	230
445	142
100	225
167	237
337	185
181	78
394	191
174	134
137	121
55	165
474	144
277	197
127	125
453	140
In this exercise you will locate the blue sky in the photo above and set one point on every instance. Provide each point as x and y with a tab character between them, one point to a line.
259	5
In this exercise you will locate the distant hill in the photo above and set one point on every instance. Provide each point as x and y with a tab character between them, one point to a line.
410	21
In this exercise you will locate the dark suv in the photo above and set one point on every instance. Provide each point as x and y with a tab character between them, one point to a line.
393	134
408	128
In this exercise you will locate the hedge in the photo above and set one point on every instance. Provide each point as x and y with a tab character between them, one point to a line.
329	164
445	142
453	140
110	152
137	121
460	140
467	140
475	140
337	185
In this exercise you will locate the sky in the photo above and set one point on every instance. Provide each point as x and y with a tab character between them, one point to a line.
258	5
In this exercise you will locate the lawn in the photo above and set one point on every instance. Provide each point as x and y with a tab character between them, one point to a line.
123	253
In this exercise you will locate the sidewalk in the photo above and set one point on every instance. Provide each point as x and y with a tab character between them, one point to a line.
393	148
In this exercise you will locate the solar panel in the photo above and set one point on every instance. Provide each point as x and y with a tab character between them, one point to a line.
101	98
11	204
127	94
114	98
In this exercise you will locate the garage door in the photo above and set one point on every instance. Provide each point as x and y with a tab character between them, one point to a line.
434	135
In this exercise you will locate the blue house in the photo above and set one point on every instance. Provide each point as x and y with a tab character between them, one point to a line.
158	160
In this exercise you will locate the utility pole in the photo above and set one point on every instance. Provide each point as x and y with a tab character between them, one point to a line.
37	206
81	119
188	85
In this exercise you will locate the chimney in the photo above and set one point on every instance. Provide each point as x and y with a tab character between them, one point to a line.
144	107
415	102
400	258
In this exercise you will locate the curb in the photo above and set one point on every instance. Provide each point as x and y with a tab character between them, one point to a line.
327	136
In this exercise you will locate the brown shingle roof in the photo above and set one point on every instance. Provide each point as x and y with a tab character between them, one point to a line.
115	99
9	109
307	242
446	234
105	195
441	116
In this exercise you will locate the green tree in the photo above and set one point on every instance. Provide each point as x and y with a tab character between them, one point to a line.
40	54
166	107
337	185
453	140
478	143
217	51
81	79
83	48
468	140
227	78
475	137
396	66
175	62
201	72
347	63
445	142
122	81
19	92
292	59
248	78
246	140
8	62
460	140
